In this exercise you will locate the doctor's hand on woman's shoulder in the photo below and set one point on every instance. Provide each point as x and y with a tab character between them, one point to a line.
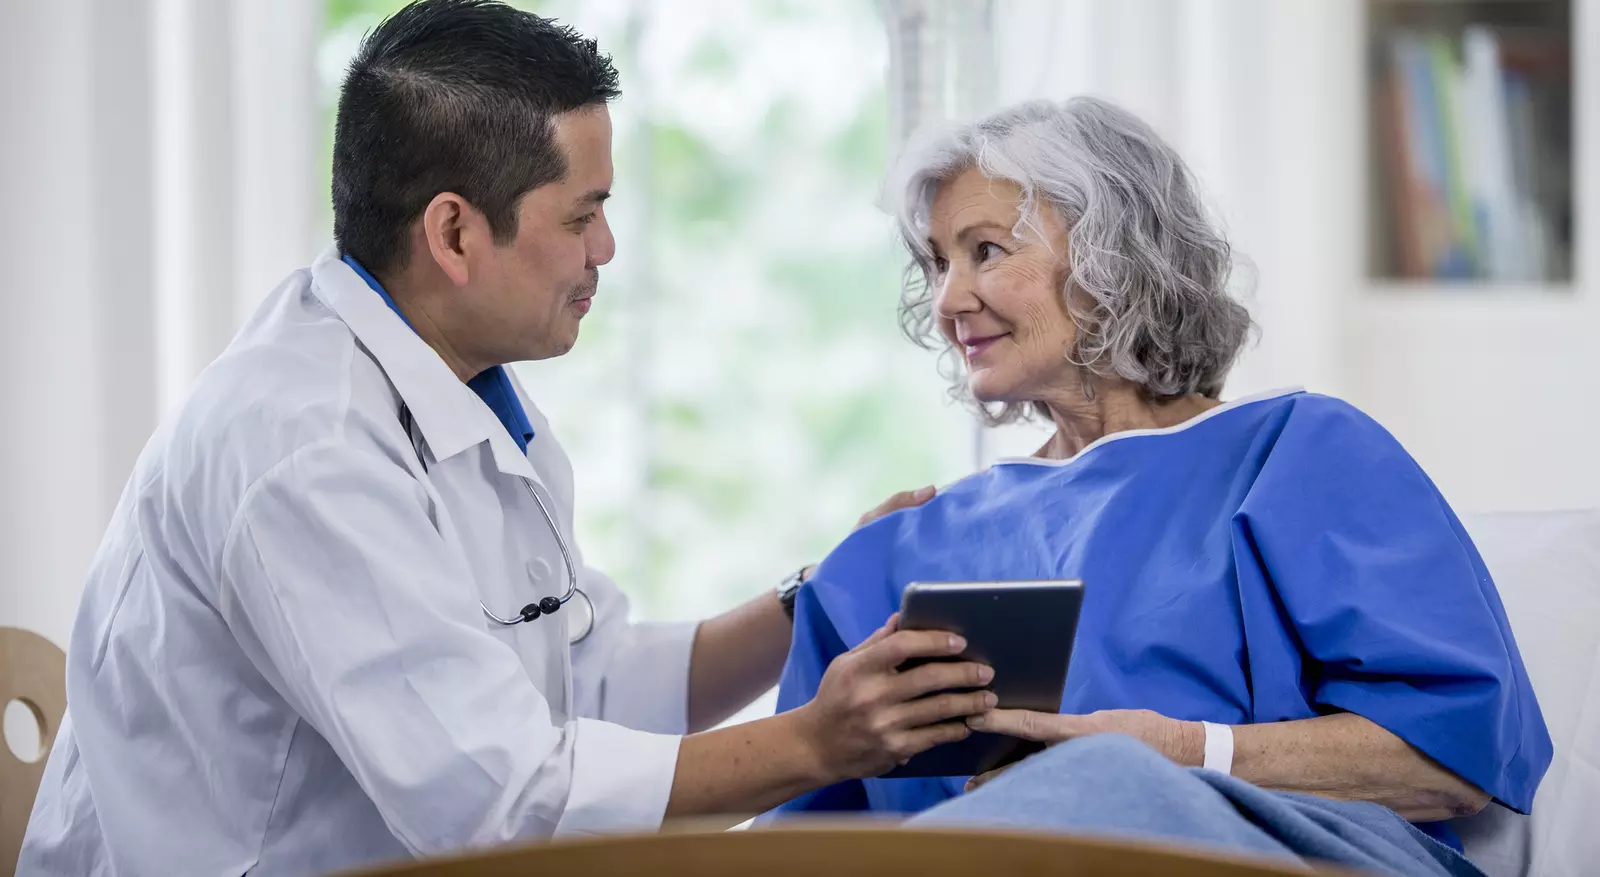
905	499
869	716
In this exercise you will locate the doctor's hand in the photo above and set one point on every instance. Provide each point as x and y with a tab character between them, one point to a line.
869	716
905	499
1183	742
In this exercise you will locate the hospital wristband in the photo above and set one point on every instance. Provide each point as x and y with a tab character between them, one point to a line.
1219	748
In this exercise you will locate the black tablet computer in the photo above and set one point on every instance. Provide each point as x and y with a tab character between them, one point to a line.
1024	630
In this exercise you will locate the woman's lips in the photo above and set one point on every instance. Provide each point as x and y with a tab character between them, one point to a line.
974	347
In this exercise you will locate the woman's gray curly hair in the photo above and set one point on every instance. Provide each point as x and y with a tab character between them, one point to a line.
1149	269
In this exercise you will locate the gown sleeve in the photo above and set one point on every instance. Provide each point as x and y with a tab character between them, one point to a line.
1395	615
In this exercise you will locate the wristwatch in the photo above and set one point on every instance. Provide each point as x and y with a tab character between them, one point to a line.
789	589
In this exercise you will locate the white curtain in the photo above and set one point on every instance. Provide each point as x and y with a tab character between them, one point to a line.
941	60
159	165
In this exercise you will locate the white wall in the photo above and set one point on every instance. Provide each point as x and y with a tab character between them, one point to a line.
1494	393
108	313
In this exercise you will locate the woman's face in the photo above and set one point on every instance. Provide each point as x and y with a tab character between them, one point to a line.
998	297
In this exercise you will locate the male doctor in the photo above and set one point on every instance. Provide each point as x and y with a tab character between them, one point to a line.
281	664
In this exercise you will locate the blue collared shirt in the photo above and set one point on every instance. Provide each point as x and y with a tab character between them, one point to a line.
492	386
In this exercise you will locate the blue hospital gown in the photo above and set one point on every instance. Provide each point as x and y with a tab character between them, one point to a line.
1274	559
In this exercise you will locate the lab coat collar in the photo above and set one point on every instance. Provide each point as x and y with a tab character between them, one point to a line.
449	415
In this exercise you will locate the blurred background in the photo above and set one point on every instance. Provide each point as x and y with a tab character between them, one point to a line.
1407	179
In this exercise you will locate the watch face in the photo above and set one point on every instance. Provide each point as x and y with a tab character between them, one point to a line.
789	590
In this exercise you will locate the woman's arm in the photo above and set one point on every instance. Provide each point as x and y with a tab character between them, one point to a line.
1351	758
1342	756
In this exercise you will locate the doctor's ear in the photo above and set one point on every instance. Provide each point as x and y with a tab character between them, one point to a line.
454	230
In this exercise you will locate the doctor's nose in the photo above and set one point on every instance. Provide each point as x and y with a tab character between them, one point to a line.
600	243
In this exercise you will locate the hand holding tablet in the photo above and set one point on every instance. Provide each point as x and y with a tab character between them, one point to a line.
1024	631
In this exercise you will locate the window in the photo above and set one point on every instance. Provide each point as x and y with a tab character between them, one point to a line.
741	392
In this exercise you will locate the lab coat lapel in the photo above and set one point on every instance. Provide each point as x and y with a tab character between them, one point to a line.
450	417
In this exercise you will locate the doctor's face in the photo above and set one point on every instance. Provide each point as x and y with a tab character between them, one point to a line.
544	281
998	296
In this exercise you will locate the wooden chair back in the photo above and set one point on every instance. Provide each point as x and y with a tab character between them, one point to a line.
33	671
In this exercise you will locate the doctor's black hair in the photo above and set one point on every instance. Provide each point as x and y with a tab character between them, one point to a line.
454	96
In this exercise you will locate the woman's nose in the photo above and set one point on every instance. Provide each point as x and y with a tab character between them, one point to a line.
955	295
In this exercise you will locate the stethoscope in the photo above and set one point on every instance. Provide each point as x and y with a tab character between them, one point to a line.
582	614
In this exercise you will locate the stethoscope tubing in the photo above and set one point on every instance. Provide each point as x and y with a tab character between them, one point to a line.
531	611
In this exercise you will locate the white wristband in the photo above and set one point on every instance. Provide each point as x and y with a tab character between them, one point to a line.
1219	748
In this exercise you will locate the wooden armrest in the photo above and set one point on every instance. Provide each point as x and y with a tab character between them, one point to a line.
844	850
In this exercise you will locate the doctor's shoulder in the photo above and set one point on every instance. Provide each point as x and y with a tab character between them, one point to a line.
275	392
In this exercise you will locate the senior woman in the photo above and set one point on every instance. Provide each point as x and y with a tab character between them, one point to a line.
1276	566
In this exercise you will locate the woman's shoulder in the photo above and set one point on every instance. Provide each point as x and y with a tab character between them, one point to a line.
1275	410
1300	404
1330	408
1318	438
1302	418
1331	420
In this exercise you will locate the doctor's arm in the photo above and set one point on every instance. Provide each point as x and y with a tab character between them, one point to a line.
867	717
351	605
738	655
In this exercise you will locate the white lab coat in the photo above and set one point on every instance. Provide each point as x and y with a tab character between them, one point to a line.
280	665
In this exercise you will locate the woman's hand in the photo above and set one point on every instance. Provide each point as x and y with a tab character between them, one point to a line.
1183	742
869	716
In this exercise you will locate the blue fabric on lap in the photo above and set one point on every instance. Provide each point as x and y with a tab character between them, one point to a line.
1116	786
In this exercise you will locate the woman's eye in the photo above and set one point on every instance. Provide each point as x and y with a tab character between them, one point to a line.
987	251
940	265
